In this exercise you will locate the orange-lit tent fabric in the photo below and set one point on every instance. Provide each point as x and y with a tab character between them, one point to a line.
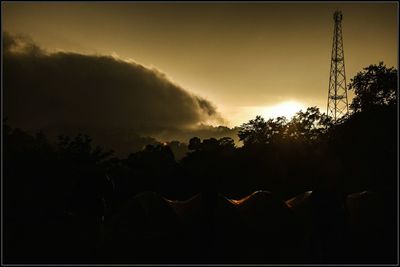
254	229
298	200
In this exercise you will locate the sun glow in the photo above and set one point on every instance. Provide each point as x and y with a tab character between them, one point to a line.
287	109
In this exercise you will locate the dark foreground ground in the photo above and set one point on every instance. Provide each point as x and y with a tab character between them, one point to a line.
314	227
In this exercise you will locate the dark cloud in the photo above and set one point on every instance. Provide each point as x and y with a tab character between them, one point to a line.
74	91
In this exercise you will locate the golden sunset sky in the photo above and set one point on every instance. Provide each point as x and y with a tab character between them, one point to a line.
246	58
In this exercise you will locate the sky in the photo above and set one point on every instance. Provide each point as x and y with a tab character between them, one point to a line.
243	59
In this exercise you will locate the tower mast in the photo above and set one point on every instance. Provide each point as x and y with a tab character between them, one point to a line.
337	94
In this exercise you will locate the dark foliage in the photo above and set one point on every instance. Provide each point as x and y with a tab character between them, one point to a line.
58	197
375	86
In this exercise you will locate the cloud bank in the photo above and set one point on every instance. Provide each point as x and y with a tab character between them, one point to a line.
64	90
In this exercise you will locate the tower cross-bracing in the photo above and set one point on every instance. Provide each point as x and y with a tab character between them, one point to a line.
337	95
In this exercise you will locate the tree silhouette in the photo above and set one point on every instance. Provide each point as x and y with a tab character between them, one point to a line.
178	148
376	85
79	149
259	131
308	126
194	143
226	143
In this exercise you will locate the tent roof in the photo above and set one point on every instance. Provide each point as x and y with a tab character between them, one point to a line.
295	201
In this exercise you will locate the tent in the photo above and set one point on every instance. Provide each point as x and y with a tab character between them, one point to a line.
298	200
371	227
323	219
207	228
146	229
274	234
212	228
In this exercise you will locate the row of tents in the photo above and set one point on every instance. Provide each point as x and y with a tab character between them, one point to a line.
313	227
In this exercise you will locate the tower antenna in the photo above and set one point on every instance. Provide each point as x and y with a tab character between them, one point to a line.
337	94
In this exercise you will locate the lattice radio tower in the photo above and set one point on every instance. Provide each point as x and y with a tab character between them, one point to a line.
337	95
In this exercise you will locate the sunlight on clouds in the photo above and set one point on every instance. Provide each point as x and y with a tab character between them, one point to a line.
287	109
